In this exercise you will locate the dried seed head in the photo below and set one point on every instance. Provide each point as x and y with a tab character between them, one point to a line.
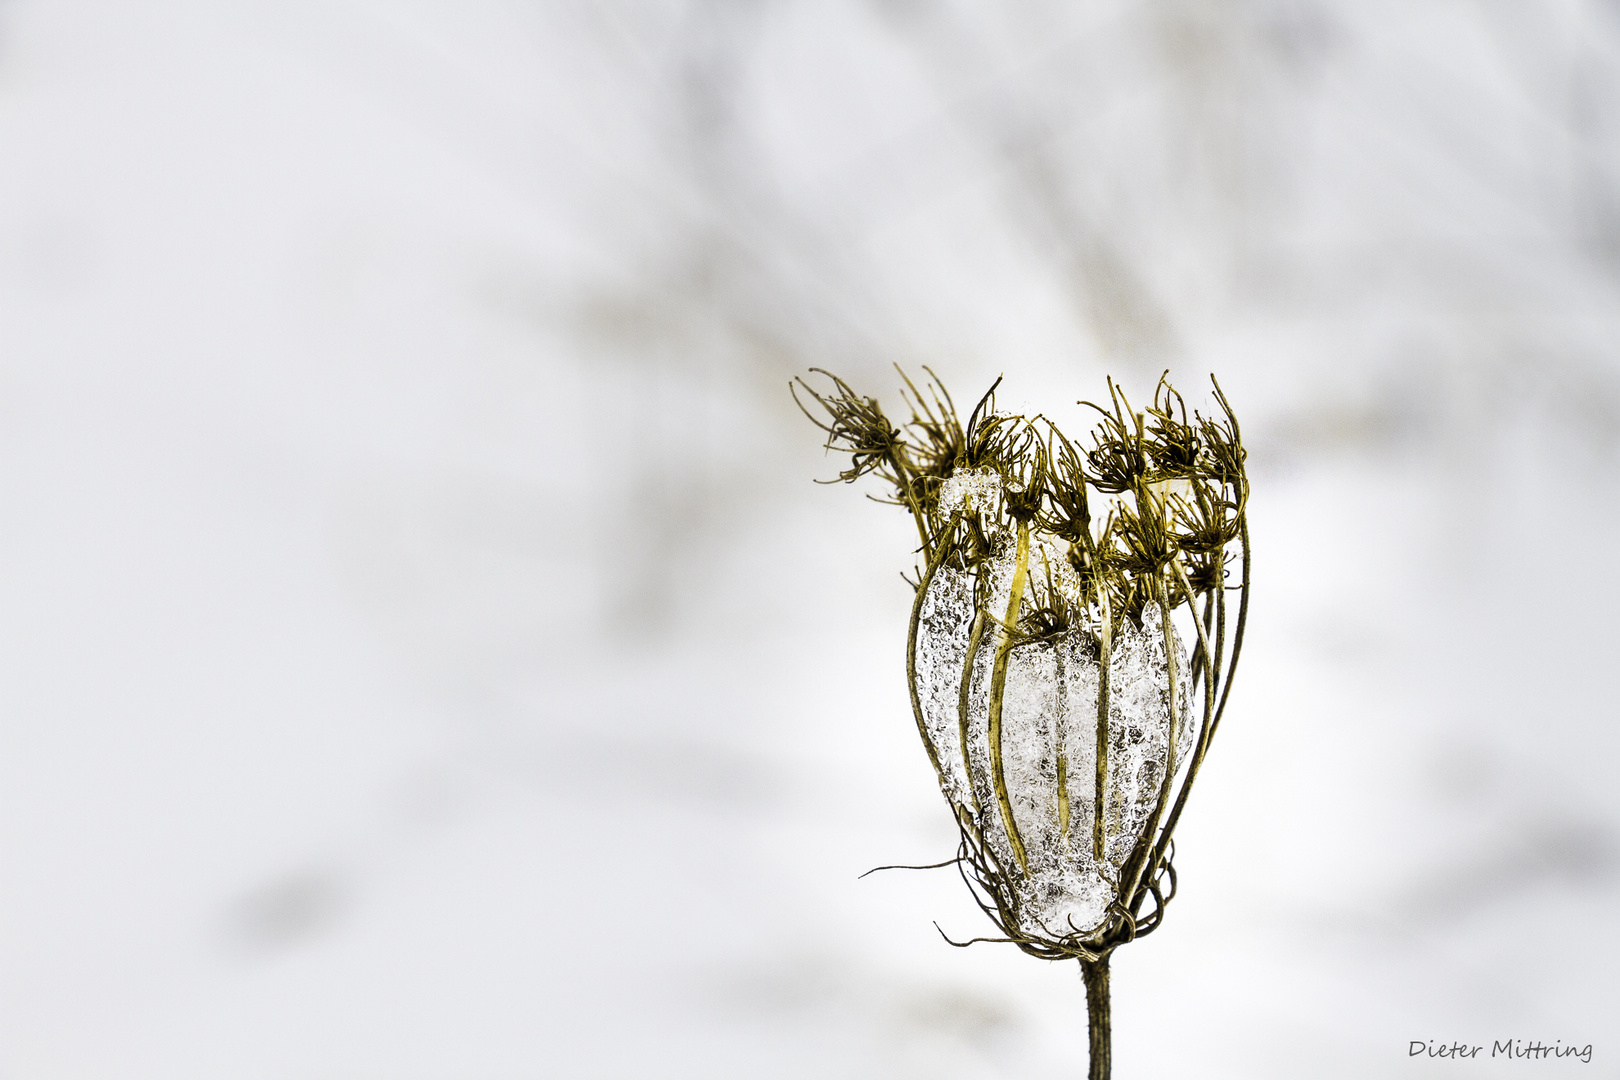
1050	686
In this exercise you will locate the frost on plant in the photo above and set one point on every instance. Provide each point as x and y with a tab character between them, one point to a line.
1047	746
1055	693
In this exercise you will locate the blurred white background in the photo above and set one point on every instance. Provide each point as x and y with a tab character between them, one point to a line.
424	654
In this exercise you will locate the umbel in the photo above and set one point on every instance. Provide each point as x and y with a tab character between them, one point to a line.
1054	693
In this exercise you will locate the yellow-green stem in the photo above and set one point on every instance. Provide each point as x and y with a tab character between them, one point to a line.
1060	739
998	688
1205	732
911	647
1100	798
1144	866
975	639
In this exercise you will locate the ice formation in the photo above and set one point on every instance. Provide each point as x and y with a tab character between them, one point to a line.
976	489
1048	729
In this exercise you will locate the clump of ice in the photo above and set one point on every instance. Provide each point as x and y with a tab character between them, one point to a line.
970	489
1049	715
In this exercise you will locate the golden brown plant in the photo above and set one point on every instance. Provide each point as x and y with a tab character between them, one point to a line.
1050	686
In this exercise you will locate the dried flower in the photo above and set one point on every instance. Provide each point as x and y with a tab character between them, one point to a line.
1053	693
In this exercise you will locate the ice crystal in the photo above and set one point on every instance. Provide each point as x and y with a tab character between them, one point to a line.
1049	726
972	489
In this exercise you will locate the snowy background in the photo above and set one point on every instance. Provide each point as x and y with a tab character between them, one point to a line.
424	654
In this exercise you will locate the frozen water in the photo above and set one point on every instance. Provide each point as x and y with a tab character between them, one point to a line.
942	638
972	489
1049	725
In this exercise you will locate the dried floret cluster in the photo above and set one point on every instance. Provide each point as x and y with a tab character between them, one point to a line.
1050	685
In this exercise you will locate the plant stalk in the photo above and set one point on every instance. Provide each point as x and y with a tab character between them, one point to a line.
998	690
1099	803
1095	974
923	583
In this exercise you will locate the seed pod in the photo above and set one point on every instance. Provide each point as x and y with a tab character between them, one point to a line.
1048	681
1018	757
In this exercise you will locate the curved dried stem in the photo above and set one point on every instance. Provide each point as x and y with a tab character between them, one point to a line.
1099	803
1138	867
975	641
1201	747
998	690
923	582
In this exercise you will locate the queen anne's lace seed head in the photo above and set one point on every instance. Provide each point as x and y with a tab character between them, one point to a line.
1049	728
1055	696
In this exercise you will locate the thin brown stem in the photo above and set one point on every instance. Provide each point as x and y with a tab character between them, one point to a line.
923	583
902	471
1205	732
1137	868
1095	974
975	639
1242	620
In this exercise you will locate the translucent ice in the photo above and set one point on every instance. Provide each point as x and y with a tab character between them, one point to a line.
1049	729
970	489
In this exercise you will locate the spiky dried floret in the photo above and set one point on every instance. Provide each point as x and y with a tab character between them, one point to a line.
1173	443
1068	511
